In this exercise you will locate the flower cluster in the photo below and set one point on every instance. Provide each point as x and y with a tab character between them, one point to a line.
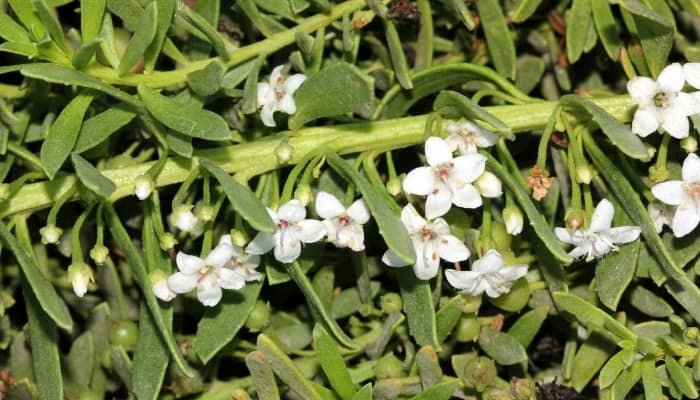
681	198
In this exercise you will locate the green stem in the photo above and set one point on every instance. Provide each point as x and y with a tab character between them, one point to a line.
76	248
22	152
544	140
485	235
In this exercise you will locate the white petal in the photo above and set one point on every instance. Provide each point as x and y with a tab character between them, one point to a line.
428	263
219	256
669	192
642	89
467	197
563	235
276	76
265	94
419	181
392	260
328	206
685	221
292	211
311	231
513	272
209	292
645	122
671	79
691	169
452	249
437	151
625	234
266	115
468	168
292	83
491	262
229	279
226	239
578	252
411	219
359	212
287	104
162	291
261	244
676	124
182	283
602	216
438	202
289	251
489	185
454	128
485	138
692	74
462	280
188	264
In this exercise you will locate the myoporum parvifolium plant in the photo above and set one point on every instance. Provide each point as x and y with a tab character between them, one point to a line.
361	199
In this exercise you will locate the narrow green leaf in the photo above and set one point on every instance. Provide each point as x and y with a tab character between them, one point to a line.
503	348
615	272
612	368
418	307
91	12
207	80
166	10
424	45
63	134
428	366
41	288
196	122
219	326
649	303
651	382
11	31
142	38
619	134
27	15
98	128
498	37
460	9
128	10
23	49
398	58
691	6
448	316
242	199
286	370
654	33
348	301
591	315
625	382
607	27
454	104
53	26
681	378
212	33
268	26
261	374
365	393
332	363
527	326
442	391
179	144
336	90
524	10
83	55
530	71
121	365
79	361
593	353
535	218
577	22
91	177
390	226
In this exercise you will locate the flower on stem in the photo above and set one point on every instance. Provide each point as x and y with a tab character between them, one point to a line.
661	103
344	226
431	241
488	275
448	180
685	194
277	95
183	218
80	276
466	136
599	238
241	262
292	230
50	234
208	276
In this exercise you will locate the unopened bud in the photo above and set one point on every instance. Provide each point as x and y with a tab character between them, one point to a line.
283	152
651	150
99	254
513	218
143	187
183	218
159	284
479	373
394	187
391	302
50	234
574	219
239	238
584	174
304	194
167	242
522	389
80	276
206	213
489	185
689	144
388	367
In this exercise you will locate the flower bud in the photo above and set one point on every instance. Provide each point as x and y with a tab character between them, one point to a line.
183	218
99	254
393	187
651	150
259	317
658	173
513	218
584	174
167	242
159	284
689	144
80	276
206	213
388	367
50	234
283	152
238	238
304	194
4	191
390	303
574	219
488	185
522	389
143	187
479	373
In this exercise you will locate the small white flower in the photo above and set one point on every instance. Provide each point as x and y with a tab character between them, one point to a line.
660	214
277	95
243	263
80	276
292	230
50	234
488	275
599	238
143	187
448	180
431	241
661	103
466	136
685	195
513	218
183	218
208	275
344	226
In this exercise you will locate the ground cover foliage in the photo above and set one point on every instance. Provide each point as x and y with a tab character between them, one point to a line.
315	199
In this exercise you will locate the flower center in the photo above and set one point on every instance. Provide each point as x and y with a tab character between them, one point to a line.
344	219
661	100
427	234
282	224
443	170
694	191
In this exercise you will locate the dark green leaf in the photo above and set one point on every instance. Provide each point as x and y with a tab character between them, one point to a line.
53	26
91	12
121	365
649	303
651	382
424	45
179	144
91	177
503	348
84	54
448	316
624	382
460	9
348	301
27	15
99	127
615	272
418	307
577	22
333	91
79	361
207	80
63	134
11	31
681	378
285	369
332	363
654	32
607	28
498	38
591	315
196	122
454	104
524	10
593	354
141	39
398	58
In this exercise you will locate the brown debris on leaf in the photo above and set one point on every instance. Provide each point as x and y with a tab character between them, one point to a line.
539	181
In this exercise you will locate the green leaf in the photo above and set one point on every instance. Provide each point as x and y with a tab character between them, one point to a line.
285	369
63	134
98	128
607	27
390	226
242	199
207	80
142	38
448	316
398	58
79	361
41	288
211	33
11	31
503	348
535	218
591	315
332	363
53	26
654	32
348	301
424	45
649	303
681	378
613	367
593	353
365	393
121	365
442	391
454	104
198	123
261	375
524	10
619	134
460	9
91	12
614	273
527	326
220	325
428	366
498	37
27	15
128	10
651	382
577	22
625	382
166	9
91	177
418	307
336	90
83	55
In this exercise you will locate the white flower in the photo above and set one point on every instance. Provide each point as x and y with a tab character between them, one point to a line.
447	180
208	275
488	275
599	238
685	194
344	226
292	230
80	276
241	262
162	290
143	187
660	214
692	74
277	95
513	218
466	136
431	241
661	103
50	234
183	218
